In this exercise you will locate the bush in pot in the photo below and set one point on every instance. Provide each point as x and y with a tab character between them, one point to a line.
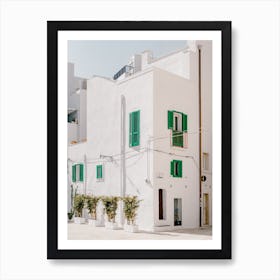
70	215
79	203
130	206
110	205
92	202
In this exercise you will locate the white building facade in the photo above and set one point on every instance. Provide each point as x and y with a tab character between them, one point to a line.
149	134
77	108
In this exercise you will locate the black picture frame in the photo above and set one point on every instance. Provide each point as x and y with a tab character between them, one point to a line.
53	27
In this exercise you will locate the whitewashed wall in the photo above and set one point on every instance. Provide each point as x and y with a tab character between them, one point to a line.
72	132
77	100
76	154
153	91
177	63
138	93
83	115
176	93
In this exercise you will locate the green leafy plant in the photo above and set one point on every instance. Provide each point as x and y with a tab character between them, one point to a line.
70	215
92	202
79	203
110	204
131	204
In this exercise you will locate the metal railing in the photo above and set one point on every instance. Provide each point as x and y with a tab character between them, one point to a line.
124	69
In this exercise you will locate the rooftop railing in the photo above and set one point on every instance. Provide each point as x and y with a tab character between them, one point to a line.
125	69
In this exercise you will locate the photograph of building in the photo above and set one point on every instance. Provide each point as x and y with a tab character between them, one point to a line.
146	132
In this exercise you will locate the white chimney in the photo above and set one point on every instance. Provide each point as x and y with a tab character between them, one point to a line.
135	62
192	45
147	57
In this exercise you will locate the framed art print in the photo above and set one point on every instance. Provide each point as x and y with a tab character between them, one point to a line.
139	140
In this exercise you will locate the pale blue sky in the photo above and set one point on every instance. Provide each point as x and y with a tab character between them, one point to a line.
105	58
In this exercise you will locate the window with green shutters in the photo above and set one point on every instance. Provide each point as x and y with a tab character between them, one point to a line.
78	172
99	172
178	122
134	129
176	168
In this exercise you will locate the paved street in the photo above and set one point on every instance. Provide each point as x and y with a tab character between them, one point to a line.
88	232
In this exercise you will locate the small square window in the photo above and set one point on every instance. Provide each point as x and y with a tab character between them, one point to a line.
205	161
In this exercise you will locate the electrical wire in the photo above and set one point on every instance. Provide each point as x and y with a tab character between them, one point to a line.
118	157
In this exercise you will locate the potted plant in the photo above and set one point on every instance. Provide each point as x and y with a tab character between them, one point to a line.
79	203
130	206
110	205
70	215
92	202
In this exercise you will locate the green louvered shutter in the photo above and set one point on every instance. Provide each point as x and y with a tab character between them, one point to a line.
137	129
134	129
180	169
73	173
99	171
130	129
172	168
81	172
185	122
170	119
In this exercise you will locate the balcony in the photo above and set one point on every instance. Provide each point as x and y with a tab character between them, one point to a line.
127	69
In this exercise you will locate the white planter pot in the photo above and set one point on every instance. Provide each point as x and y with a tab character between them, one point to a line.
111	225
130	228
95	223
79	220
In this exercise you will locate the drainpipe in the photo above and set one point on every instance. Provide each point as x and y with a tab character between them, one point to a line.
122	165
148	180
85	174
200	141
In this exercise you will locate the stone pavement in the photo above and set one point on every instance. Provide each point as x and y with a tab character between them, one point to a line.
88	232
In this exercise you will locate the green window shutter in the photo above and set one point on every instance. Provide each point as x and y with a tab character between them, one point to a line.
130	129
81	172
185	122
138	128
73	173
170	119
172	168
134	129
180	169
99	171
